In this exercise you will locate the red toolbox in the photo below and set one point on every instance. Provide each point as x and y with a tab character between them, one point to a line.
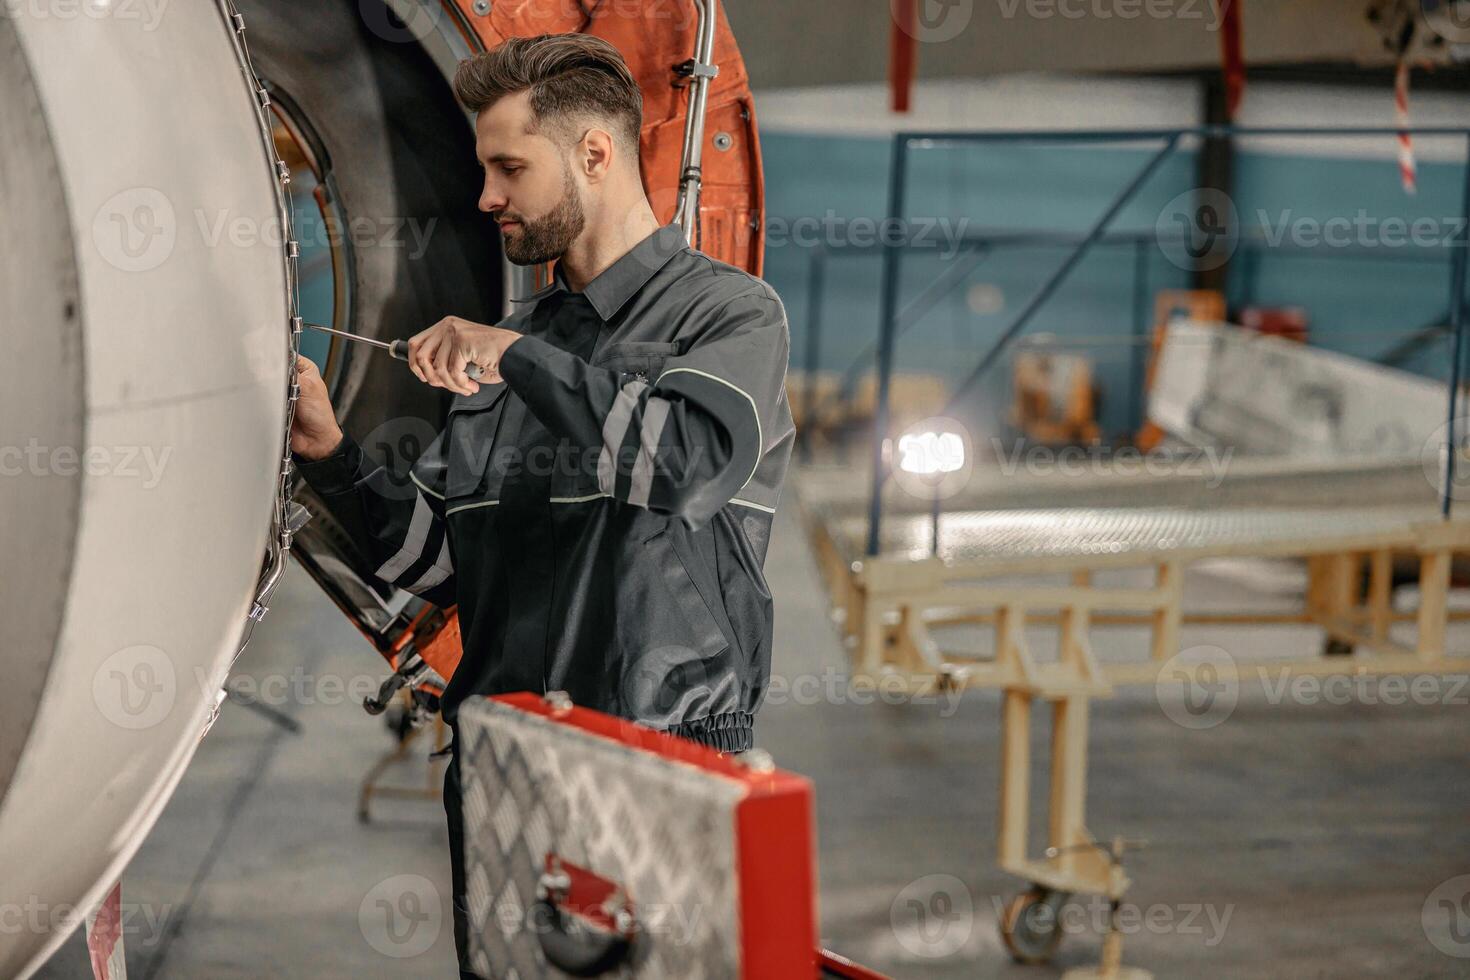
594	846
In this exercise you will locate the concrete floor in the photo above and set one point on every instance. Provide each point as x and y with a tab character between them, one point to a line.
1295	839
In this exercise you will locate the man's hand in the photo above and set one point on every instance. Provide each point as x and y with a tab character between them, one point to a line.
440	354
314	429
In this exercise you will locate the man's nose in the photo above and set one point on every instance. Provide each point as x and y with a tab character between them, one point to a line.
492	199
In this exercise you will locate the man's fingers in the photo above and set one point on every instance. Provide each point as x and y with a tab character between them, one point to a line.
457	364
441	364
423	359
306	370
414	343
449	363
440	355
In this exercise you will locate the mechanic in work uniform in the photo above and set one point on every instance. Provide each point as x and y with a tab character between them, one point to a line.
599	506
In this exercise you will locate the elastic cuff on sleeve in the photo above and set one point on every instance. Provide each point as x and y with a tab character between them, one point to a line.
334	473
518	366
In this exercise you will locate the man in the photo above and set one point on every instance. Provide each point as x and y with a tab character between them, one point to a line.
600	501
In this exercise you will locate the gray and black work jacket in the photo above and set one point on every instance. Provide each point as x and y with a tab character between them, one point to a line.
601	517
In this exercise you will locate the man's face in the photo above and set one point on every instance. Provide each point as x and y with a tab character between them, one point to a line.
530	190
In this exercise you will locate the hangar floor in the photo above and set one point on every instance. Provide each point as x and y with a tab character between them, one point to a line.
258	866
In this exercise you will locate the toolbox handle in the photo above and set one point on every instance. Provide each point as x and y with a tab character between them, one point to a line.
584	922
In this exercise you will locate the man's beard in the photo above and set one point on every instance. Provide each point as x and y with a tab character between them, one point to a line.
549	236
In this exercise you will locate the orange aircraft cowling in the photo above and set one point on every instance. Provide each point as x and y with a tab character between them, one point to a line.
654	37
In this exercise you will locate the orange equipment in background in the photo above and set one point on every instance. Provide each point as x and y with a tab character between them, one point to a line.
1055	398
1196	304
1287	322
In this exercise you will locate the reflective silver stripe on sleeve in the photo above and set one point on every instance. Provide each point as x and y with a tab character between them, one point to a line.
614	428
655	414
420	484
751	503
413	542
760	439
442	567
472	506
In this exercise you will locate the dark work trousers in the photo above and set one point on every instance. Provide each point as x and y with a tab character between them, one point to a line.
527	494
454	814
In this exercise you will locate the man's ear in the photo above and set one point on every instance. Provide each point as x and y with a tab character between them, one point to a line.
596	155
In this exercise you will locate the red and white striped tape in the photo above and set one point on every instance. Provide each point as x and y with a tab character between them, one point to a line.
1408	169
104	938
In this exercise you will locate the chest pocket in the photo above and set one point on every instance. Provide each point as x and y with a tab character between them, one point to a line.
635	360
473	423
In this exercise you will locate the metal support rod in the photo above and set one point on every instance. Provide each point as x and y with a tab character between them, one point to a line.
815	285
916	309
1246	242
686	211
1039	298
936	138
1251	261
934	513
888	306
1457	325
1137	356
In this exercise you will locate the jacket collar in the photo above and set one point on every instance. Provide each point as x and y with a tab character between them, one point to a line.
616	284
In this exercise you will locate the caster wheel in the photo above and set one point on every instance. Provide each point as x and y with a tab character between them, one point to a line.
1031	925
1336	648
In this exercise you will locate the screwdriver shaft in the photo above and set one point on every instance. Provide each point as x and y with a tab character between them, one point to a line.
350	336
396	348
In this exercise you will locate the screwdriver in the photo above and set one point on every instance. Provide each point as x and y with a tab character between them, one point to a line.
396	348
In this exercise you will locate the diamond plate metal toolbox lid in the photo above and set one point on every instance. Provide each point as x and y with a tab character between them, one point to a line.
595	846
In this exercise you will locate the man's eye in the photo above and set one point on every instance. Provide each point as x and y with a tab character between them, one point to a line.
510	171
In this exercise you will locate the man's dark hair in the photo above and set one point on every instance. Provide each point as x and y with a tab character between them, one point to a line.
569	76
